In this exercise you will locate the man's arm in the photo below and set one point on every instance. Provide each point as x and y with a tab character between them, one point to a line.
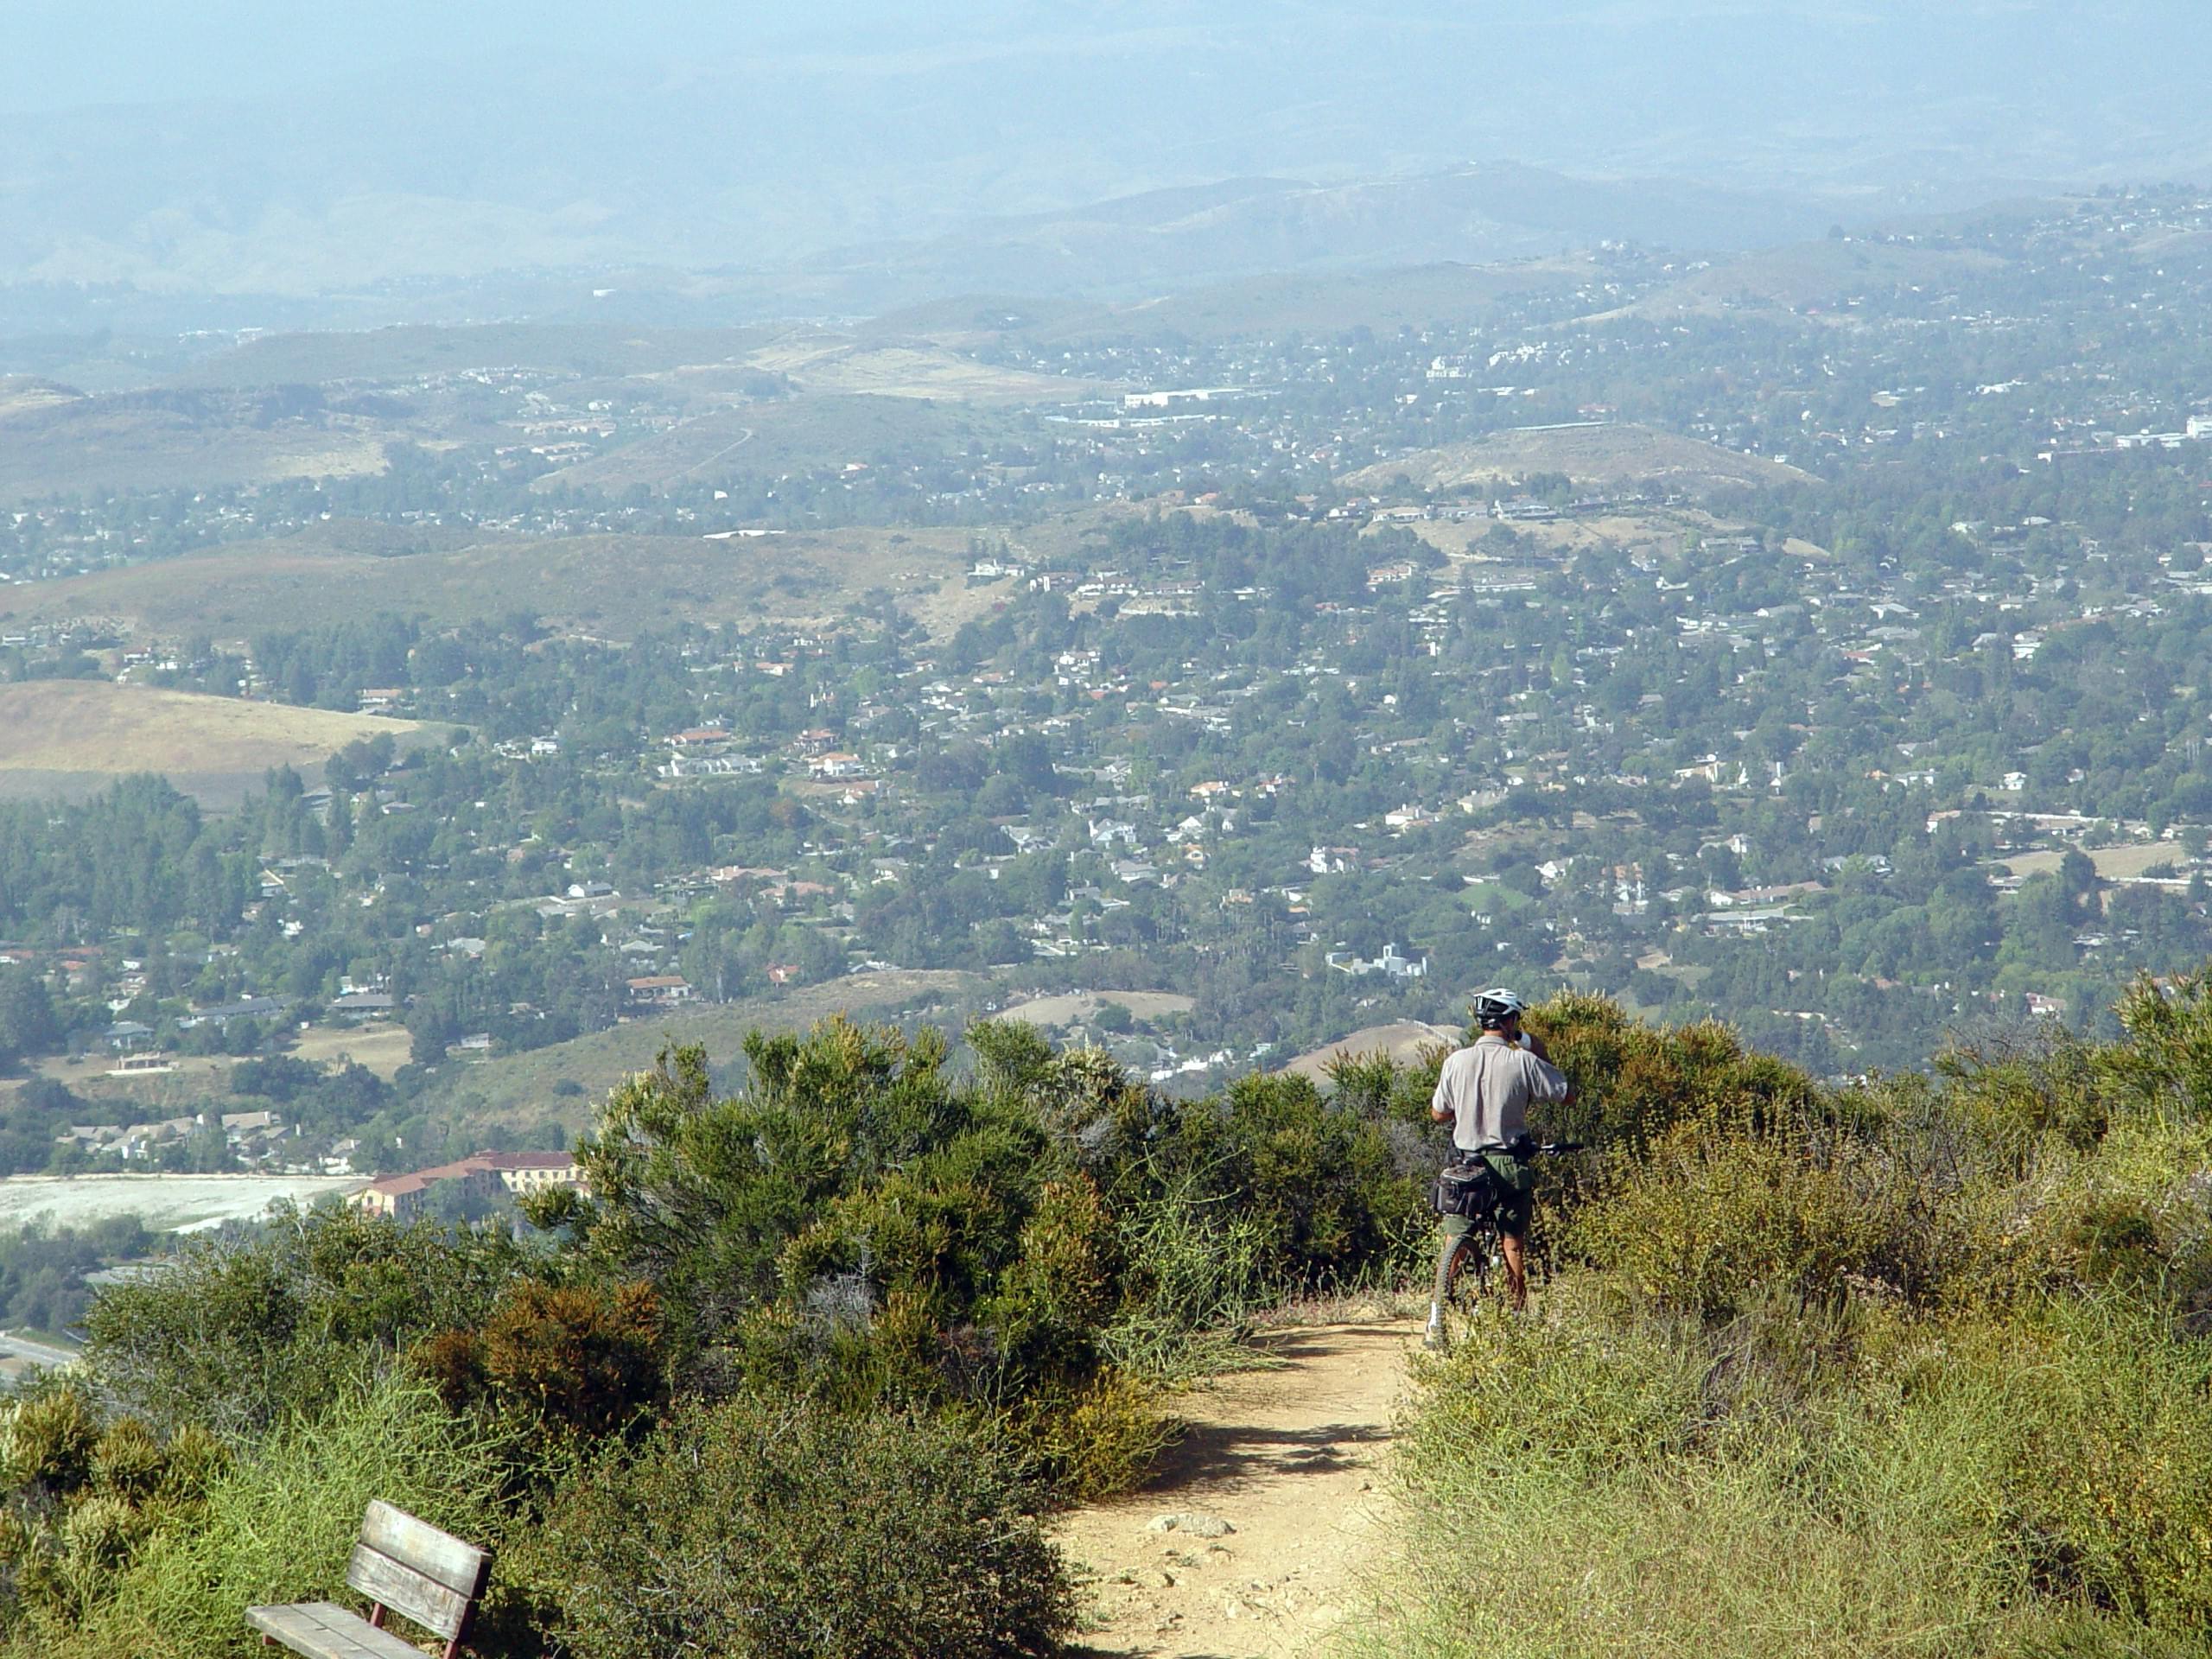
1549	1083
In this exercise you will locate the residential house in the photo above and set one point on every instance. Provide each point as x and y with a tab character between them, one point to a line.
482	1175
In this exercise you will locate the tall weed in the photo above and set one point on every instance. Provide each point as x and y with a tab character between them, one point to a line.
1197	1273
279	1524
1808	1481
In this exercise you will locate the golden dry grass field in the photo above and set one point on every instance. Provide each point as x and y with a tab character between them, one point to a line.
1402	1040
70	736
1081	1007
383	1048
2113	863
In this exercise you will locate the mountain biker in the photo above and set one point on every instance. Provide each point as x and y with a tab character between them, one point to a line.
1485	1092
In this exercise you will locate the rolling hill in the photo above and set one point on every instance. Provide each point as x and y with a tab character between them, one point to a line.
609	586
1401	1040
518	1089
55	441
794	435
313	357
1826	278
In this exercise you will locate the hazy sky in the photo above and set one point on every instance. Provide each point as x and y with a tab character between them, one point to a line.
133	51
63	53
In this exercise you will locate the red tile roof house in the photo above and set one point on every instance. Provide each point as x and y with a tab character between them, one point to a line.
483	1174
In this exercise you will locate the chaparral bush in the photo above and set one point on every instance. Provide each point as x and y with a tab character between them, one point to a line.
779	1530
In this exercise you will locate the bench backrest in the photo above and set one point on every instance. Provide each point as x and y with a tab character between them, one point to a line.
411	1568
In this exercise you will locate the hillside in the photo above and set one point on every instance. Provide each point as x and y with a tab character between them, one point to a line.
1422	295
69	737
1827	278
1133	245
315	357
606	585
1610	454
767	439
833	363
1402	1040
23	394
518	1087
53	443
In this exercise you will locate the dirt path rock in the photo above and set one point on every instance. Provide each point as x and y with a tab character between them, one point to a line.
1254	1537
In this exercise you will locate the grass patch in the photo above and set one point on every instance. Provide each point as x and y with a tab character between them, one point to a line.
1798	1483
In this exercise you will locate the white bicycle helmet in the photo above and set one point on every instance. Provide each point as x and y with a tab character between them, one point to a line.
1495	1006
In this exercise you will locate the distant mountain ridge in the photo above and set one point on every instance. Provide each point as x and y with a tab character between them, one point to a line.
856	161
1175	238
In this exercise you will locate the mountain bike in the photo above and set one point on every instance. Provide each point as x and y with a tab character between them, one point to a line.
1481	1252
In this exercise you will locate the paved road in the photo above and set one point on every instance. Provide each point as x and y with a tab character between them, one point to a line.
37	1353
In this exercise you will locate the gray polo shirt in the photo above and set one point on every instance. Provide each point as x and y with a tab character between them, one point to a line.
1487	1087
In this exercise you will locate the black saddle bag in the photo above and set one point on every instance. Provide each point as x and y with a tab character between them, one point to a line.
1467	1189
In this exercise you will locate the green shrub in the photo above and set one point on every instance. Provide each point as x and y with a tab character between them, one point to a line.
1332	1197
1095	1440
778	1530
240	1334
2099	1449
1634	1082
1037	1244
1194	1278
1705	1221
575	1358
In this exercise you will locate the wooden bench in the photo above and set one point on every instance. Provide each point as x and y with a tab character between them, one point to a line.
402	1566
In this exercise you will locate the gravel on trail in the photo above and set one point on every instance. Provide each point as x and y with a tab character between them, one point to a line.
1255	1535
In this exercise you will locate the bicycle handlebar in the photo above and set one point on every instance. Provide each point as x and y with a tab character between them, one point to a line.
1526	1148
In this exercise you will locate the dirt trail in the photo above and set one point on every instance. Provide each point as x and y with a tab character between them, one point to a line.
1290	1459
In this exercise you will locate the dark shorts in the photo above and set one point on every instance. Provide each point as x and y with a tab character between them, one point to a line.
1511	1204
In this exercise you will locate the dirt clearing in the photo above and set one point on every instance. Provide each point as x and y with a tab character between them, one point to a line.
1277	1503
2113	863
1081	1007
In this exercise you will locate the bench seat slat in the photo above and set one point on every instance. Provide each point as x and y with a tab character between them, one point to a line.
322	1629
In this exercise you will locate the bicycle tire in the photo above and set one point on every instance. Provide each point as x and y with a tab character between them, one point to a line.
1471	1285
